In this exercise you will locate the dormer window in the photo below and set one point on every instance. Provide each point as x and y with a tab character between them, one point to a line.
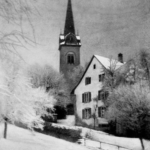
70	58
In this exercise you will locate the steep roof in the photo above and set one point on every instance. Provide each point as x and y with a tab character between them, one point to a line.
69	23
106	62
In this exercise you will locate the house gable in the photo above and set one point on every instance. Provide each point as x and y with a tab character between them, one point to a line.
102	61
93	70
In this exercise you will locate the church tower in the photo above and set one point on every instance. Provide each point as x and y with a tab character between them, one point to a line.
69	44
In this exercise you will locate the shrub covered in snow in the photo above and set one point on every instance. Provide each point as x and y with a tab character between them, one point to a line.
19	100
58	130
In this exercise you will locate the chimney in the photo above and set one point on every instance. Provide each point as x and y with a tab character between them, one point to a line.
120	57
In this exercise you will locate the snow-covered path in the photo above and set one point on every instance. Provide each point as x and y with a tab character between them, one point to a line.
22	139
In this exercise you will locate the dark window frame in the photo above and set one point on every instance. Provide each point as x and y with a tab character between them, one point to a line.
87	80
70	58
86	113
101	111
102	95
86	97
101	77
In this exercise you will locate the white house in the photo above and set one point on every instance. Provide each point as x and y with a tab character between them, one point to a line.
90	87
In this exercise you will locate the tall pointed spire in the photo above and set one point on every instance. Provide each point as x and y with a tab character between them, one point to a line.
69	23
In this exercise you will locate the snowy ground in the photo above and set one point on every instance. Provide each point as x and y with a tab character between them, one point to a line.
107	140
131	143
22	139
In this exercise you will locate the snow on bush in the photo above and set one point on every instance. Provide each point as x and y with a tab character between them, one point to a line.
19	100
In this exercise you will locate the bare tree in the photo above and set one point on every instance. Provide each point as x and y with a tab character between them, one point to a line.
17	17
113	76
142	63
94	115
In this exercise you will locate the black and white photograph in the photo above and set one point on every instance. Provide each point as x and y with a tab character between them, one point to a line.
74	74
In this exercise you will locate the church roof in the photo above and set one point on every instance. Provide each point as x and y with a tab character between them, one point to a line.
69	23
69	38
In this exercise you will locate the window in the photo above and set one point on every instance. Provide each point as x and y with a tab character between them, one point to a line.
102	95
94	66
70	58
101	112
86	113
101	77
86	97
120	57
87	80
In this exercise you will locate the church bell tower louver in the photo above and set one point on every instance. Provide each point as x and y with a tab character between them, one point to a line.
69	44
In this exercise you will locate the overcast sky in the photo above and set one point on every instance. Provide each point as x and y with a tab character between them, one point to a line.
106	27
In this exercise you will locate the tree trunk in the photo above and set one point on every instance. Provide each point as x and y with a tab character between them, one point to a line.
94	122
142	144
5	128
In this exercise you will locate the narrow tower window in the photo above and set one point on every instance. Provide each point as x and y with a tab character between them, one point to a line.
70	58
120	57
94	66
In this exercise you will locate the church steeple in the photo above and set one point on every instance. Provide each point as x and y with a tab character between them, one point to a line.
69	23
69	45
69	37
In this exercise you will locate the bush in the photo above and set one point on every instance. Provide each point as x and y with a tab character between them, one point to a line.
62	132
129	107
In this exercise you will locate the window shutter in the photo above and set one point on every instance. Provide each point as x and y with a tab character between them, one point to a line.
82	98
90	96
99	78
89	112
103	77
99	95
83	114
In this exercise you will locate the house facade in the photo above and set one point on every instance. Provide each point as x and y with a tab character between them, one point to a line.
89	95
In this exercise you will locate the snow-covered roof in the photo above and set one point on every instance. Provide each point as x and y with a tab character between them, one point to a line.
78	37
107	62
62	37
62	43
